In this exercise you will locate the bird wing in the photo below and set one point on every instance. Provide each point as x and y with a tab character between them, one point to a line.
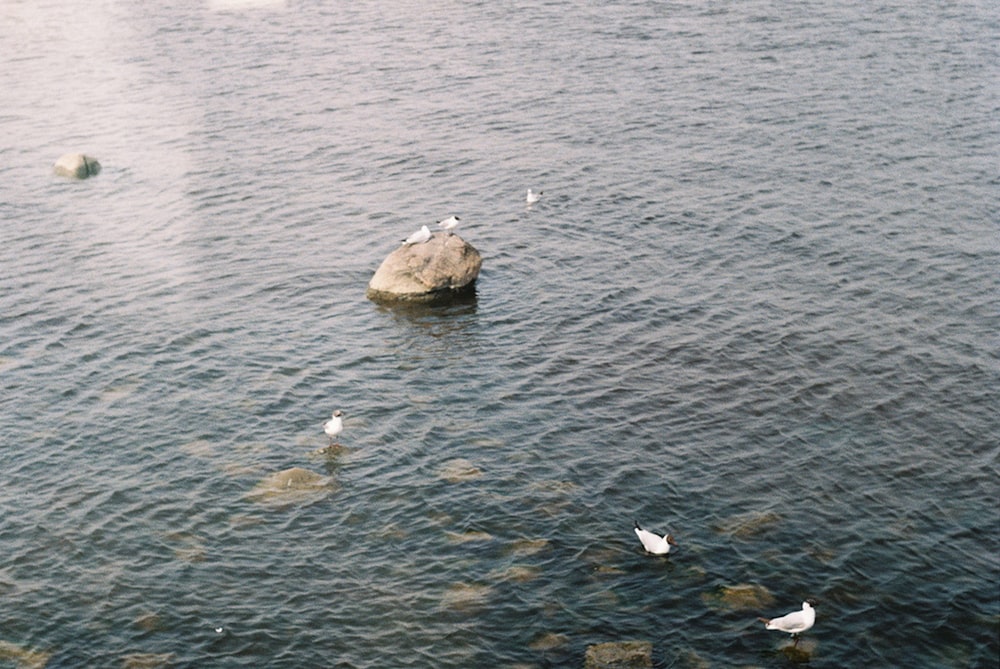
792	622
653	543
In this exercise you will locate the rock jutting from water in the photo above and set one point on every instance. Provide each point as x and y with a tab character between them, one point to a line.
444	265
76	166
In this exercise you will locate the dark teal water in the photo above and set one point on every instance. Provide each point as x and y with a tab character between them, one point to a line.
756	307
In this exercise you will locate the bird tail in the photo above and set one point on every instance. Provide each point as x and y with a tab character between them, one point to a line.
637	524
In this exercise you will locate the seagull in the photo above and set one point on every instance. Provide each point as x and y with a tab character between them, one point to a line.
335	425
419	237
654	543
532	198
449	224
795	623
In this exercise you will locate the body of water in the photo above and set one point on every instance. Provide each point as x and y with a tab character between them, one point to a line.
756	306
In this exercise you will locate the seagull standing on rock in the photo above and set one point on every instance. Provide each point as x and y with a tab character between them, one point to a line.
795	623
334	426
654	543
449	224
419	237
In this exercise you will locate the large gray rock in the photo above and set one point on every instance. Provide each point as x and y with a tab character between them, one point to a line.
445	264
76	166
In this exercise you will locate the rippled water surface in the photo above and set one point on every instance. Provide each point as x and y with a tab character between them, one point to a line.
757	306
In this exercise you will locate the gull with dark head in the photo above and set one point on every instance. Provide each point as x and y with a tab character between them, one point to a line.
654	543
334	426
449	224
794	623
532	198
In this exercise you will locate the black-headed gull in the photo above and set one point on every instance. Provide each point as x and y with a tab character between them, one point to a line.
419	237
334	426
532	198
449	223
654	543
794	623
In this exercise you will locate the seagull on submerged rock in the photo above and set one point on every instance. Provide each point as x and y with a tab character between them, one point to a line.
794	623
654	543
334	426
532	198
419	237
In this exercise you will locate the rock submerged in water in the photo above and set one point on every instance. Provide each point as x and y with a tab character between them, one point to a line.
292	486
619	655
76	166
444	265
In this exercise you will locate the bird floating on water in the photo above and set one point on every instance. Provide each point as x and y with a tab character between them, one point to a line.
449	223
532	198
794	623
334	426
419	237
654	543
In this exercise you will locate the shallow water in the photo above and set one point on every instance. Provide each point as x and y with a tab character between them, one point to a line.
756	307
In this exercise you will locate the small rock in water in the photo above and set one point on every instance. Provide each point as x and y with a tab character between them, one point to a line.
619	655
799	654
746	525
466	596
22	657
76	166
147	660
459	470
290	486
740	597
549	641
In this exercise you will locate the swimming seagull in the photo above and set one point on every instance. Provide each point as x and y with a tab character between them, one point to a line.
419	237
449	224
795	623
654	543
334	426
532	198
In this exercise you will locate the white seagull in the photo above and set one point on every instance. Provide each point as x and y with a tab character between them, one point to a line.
654	543
449	224
334	426
419	237
795	623
532	198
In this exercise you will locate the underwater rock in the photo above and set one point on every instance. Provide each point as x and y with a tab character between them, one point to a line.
459	470
549	641
22	657
466	596
516	574
800	654
446	264
746	525
147	660
523	547
466	537
76	166
619	655
740	597
295	485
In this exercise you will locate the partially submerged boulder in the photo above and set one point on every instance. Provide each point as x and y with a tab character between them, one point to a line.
76	166
444	265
